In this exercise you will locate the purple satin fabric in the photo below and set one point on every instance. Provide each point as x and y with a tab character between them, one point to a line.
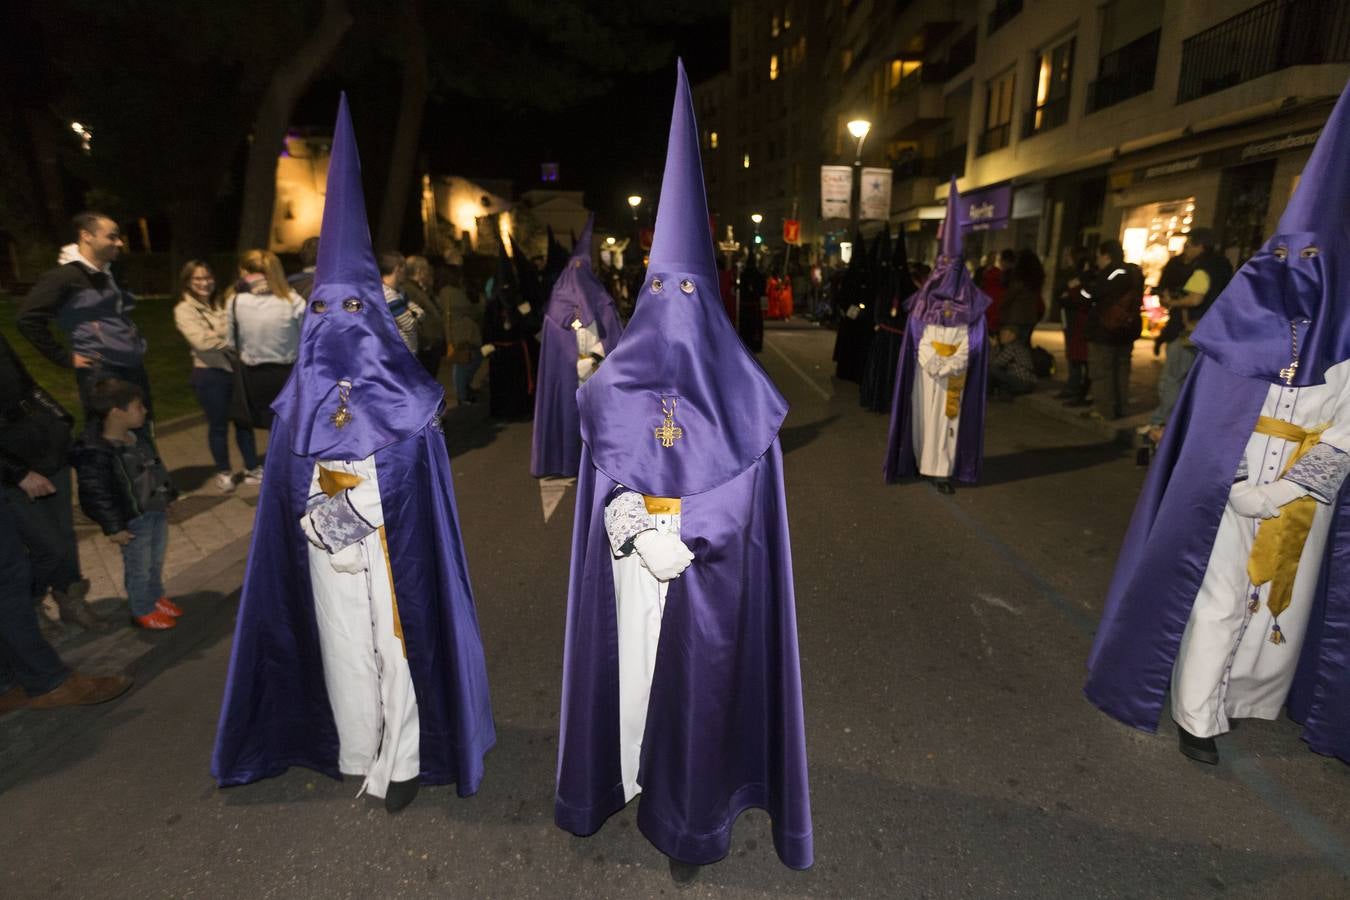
1167	549
276	712
901	459
725	729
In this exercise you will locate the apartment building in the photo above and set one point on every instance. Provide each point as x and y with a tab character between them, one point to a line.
1066	121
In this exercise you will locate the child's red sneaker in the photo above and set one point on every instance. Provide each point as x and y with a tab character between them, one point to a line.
155	621
168	607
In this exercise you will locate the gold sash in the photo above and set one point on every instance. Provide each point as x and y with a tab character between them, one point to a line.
661	506
955	383
332	483
1279	541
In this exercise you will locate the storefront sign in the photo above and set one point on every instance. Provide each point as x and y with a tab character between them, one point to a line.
987	209
792	231
836	190
876	194
1234	155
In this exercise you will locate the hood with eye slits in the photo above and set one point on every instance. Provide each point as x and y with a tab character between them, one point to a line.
949	296
680	348
350	335
1300	276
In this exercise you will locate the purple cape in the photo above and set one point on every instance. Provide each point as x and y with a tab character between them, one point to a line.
577	295
724	728
276	712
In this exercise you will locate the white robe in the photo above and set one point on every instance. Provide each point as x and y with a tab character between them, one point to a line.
934	433
1226	666
369	684
640	601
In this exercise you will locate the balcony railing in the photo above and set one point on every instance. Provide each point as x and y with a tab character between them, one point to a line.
1268	37
994	138
1125	73
1051	114
942	167
1003	13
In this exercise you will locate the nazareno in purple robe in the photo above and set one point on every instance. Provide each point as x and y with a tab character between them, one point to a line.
577	295
724	729
276	712
948	297
1244	342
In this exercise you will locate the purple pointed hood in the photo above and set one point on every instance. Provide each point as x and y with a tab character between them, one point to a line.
578	294
1299	278
949	296
680	354
350	335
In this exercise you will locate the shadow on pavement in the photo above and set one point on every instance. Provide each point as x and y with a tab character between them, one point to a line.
469	428
1036	462
798	436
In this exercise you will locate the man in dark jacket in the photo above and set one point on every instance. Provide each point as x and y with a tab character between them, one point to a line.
90	309
1116	292
35	485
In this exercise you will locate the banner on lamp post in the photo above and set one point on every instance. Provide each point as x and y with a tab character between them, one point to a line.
792	231
836	192
876	194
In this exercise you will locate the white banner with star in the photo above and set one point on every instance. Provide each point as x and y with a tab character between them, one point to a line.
876	194
836	192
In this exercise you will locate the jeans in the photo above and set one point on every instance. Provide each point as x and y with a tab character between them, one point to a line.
214	388
1176	367
1110	365
25	658
143	561
85	379
464	373
47	527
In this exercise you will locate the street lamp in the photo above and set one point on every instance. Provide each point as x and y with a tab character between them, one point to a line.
757	218
634	201
859	129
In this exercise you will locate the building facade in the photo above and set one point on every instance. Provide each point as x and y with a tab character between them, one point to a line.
1065	121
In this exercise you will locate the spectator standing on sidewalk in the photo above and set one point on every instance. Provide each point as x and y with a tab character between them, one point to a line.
406	314
302	282
1209	273
433	328
1073	312
90	309
125	489
264	319
993	280
465	328
32	676
1116	293
204	322
1022	304
35	485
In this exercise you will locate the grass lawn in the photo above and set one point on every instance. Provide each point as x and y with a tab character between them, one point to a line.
167	361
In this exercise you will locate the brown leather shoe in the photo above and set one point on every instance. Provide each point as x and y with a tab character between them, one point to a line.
82	690
12	699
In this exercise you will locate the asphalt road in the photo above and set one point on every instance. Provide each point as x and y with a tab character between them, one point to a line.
952	755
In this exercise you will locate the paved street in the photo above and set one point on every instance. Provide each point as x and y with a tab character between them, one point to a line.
943	642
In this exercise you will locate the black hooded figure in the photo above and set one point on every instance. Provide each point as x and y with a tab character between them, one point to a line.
855	317
888	323
509	325
750	289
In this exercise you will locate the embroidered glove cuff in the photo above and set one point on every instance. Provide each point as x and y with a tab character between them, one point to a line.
1321	472
626	517
337	522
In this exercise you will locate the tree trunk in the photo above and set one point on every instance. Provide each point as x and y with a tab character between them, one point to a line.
408	130
269	130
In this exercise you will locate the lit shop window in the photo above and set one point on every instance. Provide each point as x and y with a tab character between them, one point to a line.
745	161
773	67
712	140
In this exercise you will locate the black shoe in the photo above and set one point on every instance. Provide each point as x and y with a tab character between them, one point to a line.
944	486
683	873
1202	750
399	795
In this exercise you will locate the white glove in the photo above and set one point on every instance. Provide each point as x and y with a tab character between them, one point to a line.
311	533
349	560
523	309
1264	501
664	555
487	350
585	366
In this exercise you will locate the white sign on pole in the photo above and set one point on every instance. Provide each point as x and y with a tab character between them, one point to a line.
876	194
836	190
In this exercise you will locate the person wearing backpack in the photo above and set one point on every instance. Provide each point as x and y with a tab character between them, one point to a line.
1116	294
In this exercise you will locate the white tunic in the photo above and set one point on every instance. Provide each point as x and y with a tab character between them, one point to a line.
640	601
934	433
1226	665
369	683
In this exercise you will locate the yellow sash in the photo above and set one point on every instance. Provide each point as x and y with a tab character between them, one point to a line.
332	483
955	383
661	506
1279	541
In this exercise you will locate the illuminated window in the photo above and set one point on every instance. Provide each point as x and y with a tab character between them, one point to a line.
787	17
745	161
773	26
901	69
712	140
773	67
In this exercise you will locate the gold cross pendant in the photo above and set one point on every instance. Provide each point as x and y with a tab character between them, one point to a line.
668	432
1289	371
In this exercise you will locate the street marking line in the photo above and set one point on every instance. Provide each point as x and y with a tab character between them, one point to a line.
1309	826
798	369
